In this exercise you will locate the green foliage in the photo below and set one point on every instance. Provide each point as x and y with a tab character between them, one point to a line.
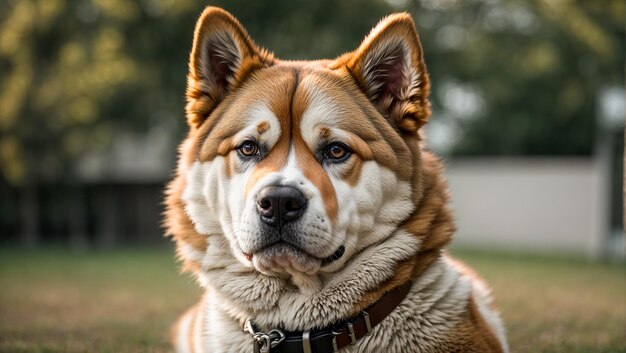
537	66
509	77
76	73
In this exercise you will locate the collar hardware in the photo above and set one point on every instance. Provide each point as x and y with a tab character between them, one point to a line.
333	337
306	342
351	333
334	341
368	323
263	342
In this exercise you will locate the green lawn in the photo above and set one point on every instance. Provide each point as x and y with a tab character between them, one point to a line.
556	304
125	301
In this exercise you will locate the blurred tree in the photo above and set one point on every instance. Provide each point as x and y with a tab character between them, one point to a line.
509	77
74	73
521	77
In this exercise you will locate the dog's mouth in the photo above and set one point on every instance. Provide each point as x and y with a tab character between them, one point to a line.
335	256
284	257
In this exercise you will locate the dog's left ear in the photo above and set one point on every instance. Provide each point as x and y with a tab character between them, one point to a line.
221	56
389	67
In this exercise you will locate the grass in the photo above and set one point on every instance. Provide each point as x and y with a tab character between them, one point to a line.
125	301
120	301
556	304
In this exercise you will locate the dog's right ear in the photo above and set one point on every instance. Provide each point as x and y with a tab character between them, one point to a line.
389	68
222	56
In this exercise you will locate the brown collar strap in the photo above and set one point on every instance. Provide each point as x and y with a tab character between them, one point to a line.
330	338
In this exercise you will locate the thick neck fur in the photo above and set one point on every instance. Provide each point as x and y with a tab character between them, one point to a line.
275	302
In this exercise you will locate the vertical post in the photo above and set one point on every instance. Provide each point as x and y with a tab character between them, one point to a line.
77	218
611	117
29	215
107	216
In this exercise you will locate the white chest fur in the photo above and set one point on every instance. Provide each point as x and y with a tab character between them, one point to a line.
421	323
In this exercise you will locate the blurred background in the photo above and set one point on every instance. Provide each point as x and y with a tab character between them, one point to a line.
528	113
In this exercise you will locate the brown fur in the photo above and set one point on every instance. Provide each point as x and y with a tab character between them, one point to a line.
194	311
431	222
202	98
473	334
408	114
177	223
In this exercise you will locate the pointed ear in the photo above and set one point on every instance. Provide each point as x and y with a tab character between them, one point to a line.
221	57
389	67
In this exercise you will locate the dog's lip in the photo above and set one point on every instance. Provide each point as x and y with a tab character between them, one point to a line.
335	256
324	261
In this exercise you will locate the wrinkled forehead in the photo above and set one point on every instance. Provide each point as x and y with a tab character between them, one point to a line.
327	106
292	98
263	100
287	105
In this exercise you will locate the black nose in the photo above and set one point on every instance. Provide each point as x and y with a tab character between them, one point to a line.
278	205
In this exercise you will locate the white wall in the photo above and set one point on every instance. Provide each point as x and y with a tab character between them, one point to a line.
543	205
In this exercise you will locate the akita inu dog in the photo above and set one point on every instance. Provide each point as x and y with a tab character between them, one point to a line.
309	208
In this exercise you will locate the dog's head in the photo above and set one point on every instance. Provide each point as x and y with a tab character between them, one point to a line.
297	166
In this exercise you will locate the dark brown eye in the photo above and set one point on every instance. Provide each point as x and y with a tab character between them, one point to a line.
336	151
249	148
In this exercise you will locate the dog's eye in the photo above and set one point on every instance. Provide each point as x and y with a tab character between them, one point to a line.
249	149
336	152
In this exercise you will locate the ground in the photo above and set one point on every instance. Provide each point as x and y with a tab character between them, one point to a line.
125	300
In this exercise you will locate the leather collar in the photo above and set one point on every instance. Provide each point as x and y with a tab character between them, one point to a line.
330	338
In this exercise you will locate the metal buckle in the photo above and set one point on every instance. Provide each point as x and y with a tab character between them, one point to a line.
368	324
335	334
263	342
306	341
277	337
248	326
351	334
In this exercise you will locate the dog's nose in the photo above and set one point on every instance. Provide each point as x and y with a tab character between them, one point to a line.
278	205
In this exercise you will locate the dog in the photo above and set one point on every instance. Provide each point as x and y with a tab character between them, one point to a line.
309	208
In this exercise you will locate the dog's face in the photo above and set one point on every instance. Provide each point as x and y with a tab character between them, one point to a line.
300	165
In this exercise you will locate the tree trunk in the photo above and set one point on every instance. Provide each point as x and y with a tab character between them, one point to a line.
107	218
29	216
77	219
